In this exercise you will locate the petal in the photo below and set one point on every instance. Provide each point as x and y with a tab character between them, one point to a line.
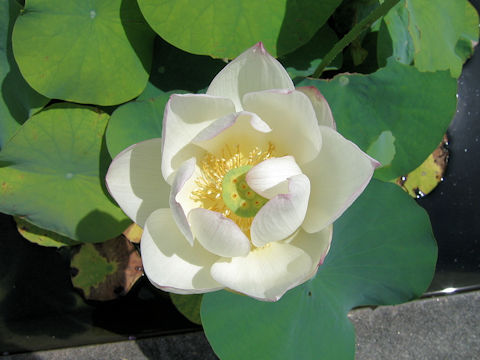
267	273
169	261
320	105
253	70
338	176
269	178
134	179
243	130
281	216
218	234
293	121
183	174
185	116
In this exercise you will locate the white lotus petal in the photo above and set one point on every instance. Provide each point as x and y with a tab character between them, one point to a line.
320	105
184	173
185	116
253	70
292	118
338	176
269	178
267	273
170	262
281	216
134	179
243	129
218	234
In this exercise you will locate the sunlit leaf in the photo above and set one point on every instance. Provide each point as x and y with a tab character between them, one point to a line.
18	101
225	28
94	52
52	173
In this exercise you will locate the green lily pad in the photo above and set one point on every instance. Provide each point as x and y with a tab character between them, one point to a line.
225	28
383	252
188	305
18	101
52	173
415	107
41	236
93	52
442	33
304	61
145	116
394	37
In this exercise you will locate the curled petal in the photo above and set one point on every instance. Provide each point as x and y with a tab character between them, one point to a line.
183	174
281	216
267	273
170	262
292	118
253	70
134	179
218	234
338	176
320	105
269	178
185	116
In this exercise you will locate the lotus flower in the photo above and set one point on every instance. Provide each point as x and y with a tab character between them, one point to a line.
242	190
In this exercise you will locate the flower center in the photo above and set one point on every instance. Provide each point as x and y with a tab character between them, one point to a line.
221	187
238	196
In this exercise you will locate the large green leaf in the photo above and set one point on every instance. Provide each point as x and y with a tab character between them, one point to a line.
52	174
136	121
18	101
94	52
383	252
225	28
439	34
416	107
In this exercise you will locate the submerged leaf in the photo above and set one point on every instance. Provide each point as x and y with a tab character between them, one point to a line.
106	271
188	305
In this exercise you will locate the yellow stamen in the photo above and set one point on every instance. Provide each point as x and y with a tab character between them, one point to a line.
214	169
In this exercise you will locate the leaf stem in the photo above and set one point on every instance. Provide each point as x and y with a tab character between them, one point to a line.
353	34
